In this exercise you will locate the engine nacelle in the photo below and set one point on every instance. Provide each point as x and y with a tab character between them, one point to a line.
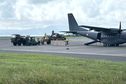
89	34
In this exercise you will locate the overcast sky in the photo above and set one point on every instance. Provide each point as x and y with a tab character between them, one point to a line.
42	16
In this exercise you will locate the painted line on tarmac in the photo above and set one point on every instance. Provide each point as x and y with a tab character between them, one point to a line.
64	52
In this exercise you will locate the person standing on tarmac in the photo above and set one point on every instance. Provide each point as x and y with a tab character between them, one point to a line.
66	42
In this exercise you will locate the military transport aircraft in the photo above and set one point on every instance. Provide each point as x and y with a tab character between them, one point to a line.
107	36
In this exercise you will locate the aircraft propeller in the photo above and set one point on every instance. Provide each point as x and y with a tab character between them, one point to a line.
120	30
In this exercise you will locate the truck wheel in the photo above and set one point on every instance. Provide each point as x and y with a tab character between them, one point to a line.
42	42
19	44
48	42
24	44
14	44
38	43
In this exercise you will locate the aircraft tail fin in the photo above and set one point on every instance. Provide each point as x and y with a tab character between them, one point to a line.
73	25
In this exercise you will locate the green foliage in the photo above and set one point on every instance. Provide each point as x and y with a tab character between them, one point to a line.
48	69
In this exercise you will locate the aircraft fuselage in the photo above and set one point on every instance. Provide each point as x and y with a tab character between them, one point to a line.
106	39
113	40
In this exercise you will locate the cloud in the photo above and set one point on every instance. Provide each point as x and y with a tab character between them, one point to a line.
26	14
39	1
47	10
6	9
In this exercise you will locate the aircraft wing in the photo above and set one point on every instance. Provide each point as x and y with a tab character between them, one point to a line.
101	29
95	28
69	32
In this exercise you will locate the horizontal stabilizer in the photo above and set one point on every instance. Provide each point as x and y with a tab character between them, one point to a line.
69	32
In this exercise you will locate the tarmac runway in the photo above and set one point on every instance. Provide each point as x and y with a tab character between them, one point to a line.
75	48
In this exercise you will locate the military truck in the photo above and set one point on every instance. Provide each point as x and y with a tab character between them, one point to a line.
46	39
19	40
54	36
57	36
28	41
